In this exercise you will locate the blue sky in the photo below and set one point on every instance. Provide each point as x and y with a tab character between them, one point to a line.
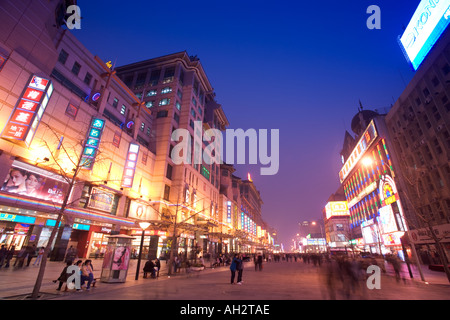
297	66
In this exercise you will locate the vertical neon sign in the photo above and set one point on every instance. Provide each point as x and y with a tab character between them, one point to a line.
130	165
27	114
92	143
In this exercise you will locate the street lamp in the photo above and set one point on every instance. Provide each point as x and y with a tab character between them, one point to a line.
321	231
143	225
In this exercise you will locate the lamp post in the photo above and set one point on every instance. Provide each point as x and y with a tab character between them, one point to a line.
321	232
143	226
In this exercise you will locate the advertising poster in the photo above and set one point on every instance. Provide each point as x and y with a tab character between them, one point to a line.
32	184
121	258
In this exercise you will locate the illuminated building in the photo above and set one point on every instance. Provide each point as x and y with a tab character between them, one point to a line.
59	103
54	94
368	178
336	222
419	124
177	91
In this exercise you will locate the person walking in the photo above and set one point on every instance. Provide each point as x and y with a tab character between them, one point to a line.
233	266
20	257
239	268
63	276
260	262
3	254
9	255
31	252
39	257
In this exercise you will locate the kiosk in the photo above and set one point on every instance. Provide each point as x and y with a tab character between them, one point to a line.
116	259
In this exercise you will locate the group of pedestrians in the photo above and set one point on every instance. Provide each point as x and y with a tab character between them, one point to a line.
25	255
237	264
86	272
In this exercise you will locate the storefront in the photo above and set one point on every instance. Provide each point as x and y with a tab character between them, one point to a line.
98	241
426	246
153	244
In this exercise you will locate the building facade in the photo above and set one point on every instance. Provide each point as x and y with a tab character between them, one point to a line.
65	113
419	124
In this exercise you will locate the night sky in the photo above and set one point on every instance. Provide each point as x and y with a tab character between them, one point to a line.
298	66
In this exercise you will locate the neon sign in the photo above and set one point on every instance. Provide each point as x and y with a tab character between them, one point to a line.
130	165
427	24
337	208
92	143
364	143
27	113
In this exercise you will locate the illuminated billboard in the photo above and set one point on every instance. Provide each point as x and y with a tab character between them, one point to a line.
364	143
336	208
426	26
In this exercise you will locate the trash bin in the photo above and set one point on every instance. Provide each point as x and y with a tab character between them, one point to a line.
116	259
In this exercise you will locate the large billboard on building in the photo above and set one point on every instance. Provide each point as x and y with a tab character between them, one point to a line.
428	23
27	180
336	208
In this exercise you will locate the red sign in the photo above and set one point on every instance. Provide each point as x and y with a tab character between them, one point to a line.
22	116
15	131
28	110
33	94
27	105
38	83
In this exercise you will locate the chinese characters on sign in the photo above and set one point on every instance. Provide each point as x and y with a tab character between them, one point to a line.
92	143
27	114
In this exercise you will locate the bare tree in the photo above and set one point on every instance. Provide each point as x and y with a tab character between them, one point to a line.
66	152
418	200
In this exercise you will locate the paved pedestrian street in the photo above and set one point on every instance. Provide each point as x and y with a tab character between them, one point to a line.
277	281
276	290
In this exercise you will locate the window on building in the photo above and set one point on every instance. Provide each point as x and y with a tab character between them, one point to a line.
142	126
151	93
154	77
123	109
76	68
436	113
446	69
168	75
178	105
169	172
166	90
149	104
437	146
63	55
162	114
140	80
166	192
115	102
88	78
164	102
